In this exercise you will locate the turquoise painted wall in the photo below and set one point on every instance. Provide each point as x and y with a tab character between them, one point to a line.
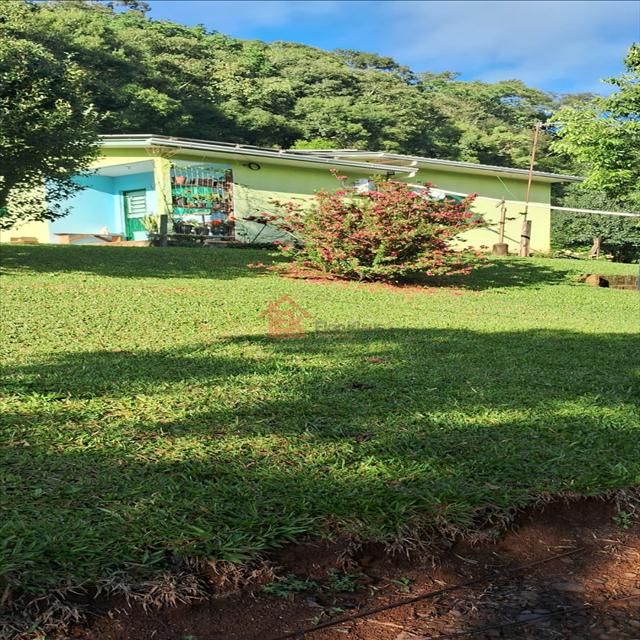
100	204
90	209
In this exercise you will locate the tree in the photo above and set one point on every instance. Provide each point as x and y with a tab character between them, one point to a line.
362	60
48	131
617	235
157	76
604	136
494	120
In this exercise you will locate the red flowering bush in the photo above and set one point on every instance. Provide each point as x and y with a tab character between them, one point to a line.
388	234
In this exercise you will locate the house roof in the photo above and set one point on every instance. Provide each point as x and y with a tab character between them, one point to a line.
248	152
352	158
381	157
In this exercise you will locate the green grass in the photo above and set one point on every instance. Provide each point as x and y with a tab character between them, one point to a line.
147	413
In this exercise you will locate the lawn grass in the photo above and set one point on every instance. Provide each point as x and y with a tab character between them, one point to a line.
147	414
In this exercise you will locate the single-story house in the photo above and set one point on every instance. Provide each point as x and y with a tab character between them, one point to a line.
221	189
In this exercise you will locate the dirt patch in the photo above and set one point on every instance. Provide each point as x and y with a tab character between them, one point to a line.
408	289
593	592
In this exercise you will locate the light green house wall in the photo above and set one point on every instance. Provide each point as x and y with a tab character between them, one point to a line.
254	191
490	186
276	179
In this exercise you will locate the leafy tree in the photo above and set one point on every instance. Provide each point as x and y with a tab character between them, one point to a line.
372	61
495	120
604	136
157	76
143	76
48	130
619	236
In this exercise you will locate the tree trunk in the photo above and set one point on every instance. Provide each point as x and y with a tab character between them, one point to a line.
4	196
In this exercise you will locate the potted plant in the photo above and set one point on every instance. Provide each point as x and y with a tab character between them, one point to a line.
151	223
180	180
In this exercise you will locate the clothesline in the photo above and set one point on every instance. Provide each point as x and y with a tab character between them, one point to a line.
569	209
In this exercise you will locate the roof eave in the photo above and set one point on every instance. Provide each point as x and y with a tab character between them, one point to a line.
522	174
143	140
541	176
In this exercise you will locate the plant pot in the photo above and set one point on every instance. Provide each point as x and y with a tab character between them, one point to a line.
180	180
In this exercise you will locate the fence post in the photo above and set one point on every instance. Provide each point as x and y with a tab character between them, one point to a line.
525	239
164	223
500	248
594	252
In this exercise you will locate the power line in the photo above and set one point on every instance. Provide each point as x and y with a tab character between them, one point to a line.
602	213
625	214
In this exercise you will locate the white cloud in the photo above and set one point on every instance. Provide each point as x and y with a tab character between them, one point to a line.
540	42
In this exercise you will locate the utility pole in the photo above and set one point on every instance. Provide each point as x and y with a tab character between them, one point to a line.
525	234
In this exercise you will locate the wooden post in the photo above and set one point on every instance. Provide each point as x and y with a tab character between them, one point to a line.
500	248
503	219
532	162
164	223
525	239
594	252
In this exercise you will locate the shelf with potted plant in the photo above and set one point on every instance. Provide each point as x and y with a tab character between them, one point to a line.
201	198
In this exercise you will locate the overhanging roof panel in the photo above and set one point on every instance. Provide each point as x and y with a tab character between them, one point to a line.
246	152
454	165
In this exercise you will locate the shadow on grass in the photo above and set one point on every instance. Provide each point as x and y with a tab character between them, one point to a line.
116	460
174	262
506	273
134	262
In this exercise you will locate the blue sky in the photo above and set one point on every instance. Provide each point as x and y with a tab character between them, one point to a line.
562	46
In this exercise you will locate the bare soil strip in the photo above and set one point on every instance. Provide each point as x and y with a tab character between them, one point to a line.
593	593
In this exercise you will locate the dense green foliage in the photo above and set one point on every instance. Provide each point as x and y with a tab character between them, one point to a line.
494	121
48	129
146	413
390	233
604	135
620	236
148	76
